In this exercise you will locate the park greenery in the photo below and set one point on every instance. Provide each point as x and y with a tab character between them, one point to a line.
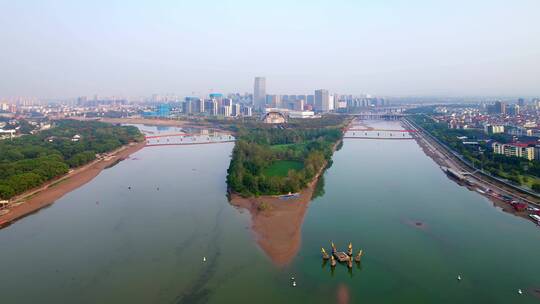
29	161
517	170
280	159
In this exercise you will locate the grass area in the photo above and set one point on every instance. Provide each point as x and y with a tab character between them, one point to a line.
281	168
531	180
288	146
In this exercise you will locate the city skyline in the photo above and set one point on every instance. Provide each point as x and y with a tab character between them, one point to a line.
401	48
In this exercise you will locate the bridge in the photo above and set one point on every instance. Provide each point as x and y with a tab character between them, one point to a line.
379	134
380	116
188	139
385	130
388	114
359	130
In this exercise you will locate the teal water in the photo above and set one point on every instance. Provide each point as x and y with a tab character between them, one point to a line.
104	243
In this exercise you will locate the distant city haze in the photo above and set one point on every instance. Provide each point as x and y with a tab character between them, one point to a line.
54	49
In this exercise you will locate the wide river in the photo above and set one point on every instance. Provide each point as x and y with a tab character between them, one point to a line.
105	243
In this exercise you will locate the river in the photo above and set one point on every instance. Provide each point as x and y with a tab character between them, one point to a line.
106	243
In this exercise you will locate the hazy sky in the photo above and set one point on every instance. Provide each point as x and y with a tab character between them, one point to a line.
410	47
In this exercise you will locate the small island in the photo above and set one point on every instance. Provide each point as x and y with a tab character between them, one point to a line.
274	172
278	159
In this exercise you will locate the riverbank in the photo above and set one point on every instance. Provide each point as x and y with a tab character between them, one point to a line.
479	182
36	199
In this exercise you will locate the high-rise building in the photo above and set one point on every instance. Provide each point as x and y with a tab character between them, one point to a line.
259	93
521	102
200	105
322	101
500	107
236	110
513	109
214	107
163	110
247	111
310	99
226	110
273	101
187	106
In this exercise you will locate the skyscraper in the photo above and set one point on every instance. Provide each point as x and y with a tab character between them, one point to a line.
259	93
500	107
322	101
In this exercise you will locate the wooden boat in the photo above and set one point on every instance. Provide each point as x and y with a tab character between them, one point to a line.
342	256
349	250
332	261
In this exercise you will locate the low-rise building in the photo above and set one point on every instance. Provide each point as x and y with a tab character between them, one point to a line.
493	129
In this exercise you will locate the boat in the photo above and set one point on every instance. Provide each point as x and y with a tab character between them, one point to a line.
480	191
536	218
453	173
342	256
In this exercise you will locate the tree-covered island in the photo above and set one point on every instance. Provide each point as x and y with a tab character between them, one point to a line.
278	159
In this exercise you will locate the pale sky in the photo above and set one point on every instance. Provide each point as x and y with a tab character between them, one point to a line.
403	47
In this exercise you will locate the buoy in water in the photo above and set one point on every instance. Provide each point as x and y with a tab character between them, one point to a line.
459	277
294	284
204	259
519	291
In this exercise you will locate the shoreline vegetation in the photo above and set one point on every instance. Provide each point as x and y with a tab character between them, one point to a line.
36	170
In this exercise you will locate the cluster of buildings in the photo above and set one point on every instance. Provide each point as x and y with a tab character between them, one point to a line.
216	105
519	122
320	101
234	105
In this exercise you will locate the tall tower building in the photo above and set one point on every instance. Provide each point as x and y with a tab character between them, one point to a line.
322	101
259	93
500	107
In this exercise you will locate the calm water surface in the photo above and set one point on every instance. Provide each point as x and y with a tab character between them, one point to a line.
104	243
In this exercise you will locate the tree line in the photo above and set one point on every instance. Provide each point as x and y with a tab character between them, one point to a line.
29	161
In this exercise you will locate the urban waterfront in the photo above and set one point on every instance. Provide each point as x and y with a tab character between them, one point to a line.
105	243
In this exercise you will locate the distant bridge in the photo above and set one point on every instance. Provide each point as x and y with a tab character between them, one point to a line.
190	143
378	134
382	115
381	130
184	139
171	135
